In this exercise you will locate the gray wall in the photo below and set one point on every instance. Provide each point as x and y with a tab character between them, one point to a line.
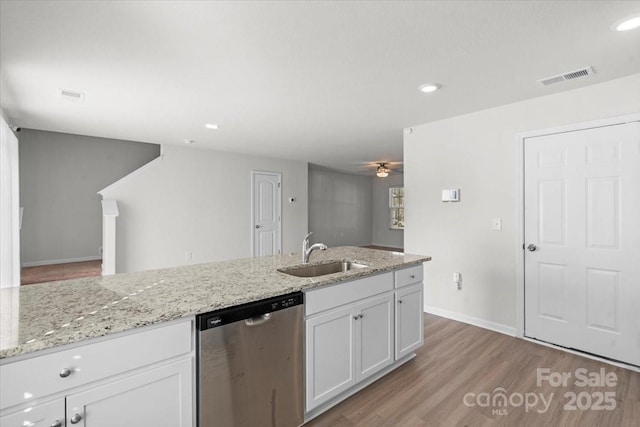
60	175
199	201
382	234
339	207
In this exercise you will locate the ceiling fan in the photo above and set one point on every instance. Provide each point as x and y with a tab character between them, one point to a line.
382	169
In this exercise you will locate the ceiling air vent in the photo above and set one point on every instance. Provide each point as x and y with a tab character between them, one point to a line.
71	95
583	72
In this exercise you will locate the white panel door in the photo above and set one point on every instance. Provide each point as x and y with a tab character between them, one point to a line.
266	213
582	240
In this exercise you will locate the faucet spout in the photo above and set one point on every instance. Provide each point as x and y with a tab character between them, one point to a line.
306	249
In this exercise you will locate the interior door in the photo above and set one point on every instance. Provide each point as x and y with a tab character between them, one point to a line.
582	240
266	213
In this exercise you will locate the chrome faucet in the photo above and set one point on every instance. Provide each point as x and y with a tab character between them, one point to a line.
306	249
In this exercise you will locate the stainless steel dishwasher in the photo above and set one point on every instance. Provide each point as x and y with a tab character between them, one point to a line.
250	364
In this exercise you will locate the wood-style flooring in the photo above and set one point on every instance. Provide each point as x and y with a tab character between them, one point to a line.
53	272
458	359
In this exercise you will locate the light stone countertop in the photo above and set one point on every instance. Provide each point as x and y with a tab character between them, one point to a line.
41	316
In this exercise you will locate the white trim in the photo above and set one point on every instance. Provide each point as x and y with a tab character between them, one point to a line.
9	206
60	261
475	321
135	172
279	202
519	200
587	355
110	213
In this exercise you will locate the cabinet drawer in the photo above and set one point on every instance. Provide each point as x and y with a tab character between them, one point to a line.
408	276
42	375
343	293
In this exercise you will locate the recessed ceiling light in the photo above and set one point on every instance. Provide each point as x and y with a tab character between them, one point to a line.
189	141
628	23
429	87
212	126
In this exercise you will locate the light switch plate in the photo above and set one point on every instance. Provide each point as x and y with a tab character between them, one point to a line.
451	195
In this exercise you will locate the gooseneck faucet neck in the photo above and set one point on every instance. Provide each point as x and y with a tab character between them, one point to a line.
306	249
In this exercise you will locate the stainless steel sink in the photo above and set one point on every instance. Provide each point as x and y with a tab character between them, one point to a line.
322	269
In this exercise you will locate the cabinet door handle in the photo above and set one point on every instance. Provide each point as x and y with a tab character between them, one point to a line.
76	418
355	317
65	373
56	423
399	301
412	276
361	316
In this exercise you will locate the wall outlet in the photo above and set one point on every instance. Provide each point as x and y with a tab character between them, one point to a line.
188	255
457	279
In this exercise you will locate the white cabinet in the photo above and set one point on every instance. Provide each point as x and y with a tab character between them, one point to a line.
141	377
49	414
409	319
330	361
155	397
374	334
350	343
409	322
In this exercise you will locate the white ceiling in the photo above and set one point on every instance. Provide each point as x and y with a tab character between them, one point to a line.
333	83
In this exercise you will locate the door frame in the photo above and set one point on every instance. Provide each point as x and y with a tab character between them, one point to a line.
253	212
519	197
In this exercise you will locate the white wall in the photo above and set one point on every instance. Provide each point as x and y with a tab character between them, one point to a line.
382	234
339	207
60	175
475	152
199	201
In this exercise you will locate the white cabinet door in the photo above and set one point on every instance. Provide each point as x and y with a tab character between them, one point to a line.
159	397
330	357
45	415
374	335
409	320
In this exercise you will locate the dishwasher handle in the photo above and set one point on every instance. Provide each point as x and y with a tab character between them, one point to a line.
258	320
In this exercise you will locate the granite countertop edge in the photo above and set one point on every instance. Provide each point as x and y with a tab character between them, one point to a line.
44	320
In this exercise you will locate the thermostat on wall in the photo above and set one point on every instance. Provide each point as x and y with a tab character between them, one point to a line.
451	195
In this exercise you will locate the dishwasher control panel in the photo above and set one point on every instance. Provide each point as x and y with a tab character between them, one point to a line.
286	303
247	311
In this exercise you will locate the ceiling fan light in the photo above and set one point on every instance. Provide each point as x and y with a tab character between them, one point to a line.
382	171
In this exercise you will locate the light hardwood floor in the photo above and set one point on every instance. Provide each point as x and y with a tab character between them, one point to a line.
458	359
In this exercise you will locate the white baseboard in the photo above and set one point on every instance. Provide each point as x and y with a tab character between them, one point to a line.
60	261
475	321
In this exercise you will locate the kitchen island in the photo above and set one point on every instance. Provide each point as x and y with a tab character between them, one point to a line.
53	318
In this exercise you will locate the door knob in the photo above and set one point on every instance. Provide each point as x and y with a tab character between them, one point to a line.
76	418
532	247
257	226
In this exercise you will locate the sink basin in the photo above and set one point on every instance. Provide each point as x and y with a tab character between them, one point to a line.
322	269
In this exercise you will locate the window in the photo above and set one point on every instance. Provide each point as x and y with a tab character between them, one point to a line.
396	205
